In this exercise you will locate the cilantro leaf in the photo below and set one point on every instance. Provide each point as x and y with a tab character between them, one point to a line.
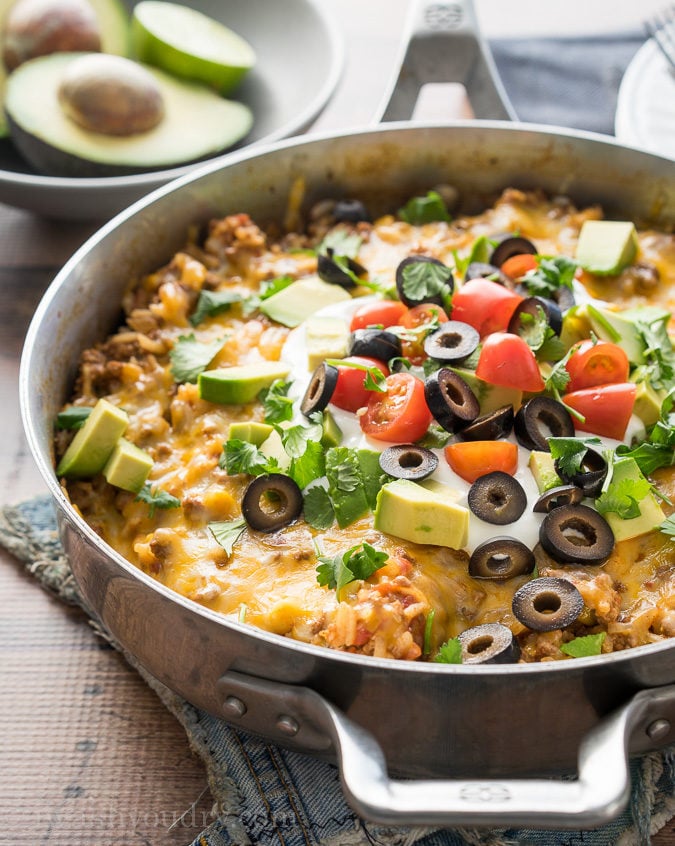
211	303
659	353
624	497
227	533
243	457
156	498
423	281
355	563
668	526
374	379
73	417
278	406
569	452
296	438
318	509
584	647
558	379
309	466
345	469
366	561
450	652
552	273
420	210
190	357
342	241
436	437
648	456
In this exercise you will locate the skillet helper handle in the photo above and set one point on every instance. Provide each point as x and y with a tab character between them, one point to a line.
303	718
442	44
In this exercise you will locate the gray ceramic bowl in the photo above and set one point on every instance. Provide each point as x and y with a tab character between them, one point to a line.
284	94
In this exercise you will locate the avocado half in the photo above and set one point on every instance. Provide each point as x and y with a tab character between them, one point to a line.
113	23
197	124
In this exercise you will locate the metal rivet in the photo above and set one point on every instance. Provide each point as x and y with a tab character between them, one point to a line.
658	729
288	726
234	707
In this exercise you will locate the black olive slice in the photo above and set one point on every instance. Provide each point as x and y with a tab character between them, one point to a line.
501	558
270	502
374	343
450	400
320	389
452	342
408	461
591	475
482	270
350	211
555	497
539	419
491	643
330	271
534	307
547	604
576	534
511	245
402	272
497	498
491	426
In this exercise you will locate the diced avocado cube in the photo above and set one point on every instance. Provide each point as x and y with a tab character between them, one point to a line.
332	433
542	466
425	513
622	327
241	384
294	304
273	447
490	397
648	403
651	513
576	325
128	466
325	337
606	247
250	431
94	442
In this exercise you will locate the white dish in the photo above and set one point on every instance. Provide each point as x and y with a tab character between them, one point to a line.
645	113
299	61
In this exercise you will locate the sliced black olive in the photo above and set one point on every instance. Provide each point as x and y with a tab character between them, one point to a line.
497	498
402	272
555	497
539	419
270	502
576	534
408	461
320	389
491	426
591	474
481	270
350	211
491	643
563	296
547	604
511	245
375	343
330	271
450	400
501	558
534	307
452	342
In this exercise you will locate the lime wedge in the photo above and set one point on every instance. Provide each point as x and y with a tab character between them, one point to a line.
189	44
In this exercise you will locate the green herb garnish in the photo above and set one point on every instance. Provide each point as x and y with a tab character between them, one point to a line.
156	498
342	242
420	210
668	526
569	452
428	626
423	281
243	457
359	562
318	509
190	357
375	378
584	647
551	274
73	417
211	303
277	405
227	533
623	497
450	652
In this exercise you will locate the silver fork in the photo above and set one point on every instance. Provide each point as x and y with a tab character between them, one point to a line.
662	29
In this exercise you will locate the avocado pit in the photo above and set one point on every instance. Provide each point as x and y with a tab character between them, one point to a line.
110	95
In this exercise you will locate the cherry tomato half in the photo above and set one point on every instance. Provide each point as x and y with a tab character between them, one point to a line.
517	266
401	414
350	392
471	459
485	305
507	360
413	318
606	408
382	313
596	363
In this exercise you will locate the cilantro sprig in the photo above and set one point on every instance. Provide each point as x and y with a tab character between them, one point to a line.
423	281
73	417
658	352
428	209
551	274
212	303
450	652
558	379
243	457
584	647
277	405
569	453
668	526
358	562
268	288
156	498
227	532
190	357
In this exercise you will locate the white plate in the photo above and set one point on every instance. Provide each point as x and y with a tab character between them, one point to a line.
299	53
645	113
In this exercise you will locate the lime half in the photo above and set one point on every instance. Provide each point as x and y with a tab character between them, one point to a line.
189	44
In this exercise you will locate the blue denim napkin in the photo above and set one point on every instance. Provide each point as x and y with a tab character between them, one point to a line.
268	796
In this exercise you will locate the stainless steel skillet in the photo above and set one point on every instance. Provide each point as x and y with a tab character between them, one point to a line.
476	731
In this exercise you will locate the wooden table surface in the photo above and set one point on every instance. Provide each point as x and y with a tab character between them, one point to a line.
88	755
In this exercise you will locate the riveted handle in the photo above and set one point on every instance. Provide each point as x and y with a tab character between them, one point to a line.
442	44
597	795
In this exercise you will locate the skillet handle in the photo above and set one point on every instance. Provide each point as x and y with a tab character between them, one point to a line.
442	44
301	717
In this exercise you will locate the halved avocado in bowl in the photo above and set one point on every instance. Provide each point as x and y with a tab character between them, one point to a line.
196	124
